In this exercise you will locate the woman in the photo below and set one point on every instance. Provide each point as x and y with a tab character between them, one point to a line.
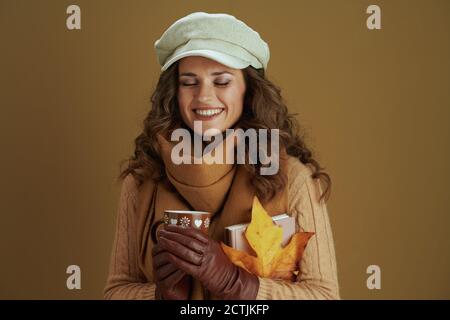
213	73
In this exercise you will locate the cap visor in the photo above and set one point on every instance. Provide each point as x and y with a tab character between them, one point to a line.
225	59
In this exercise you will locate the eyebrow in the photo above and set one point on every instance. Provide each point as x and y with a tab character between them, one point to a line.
191	74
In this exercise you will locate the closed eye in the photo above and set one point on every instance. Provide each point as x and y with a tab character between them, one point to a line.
217	83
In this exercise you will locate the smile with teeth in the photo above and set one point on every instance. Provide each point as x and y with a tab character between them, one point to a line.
208	112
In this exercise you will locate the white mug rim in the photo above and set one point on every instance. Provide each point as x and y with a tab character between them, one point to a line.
186	212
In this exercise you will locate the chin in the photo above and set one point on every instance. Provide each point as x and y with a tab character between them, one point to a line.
213	132
214	128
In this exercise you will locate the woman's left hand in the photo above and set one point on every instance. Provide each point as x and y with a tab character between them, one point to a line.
203	258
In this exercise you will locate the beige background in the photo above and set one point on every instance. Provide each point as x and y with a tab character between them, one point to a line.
375	104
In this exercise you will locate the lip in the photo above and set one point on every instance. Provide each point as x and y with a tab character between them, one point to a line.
207	108
207	118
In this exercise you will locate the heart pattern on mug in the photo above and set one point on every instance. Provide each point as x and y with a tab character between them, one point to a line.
198	223
173	221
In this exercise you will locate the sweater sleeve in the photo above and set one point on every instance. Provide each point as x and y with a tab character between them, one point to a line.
125	280
318	272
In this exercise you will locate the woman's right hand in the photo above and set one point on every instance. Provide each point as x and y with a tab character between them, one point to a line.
171	282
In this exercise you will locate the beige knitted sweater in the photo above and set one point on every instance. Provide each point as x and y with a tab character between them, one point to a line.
318	279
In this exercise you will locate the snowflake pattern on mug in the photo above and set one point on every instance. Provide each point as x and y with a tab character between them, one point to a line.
166	218
185	222
206	223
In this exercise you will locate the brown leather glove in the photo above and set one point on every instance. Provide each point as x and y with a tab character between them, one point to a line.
171	282
203	258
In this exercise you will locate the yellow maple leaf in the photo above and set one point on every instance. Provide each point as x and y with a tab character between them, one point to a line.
265	238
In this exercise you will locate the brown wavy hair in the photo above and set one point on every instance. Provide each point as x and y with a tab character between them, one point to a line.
264	108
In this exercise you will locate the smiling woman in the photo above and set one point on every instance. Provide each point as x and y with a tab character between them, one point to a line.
213	72
210	92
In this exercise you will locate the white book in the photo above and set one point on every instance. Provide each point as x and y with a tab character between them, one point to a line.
235	234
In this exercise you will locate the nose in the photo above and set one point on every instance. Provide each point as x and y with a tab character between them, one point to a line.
205	93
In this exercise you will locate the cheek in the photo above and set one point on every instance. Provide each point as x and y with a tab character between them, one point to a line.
235	102
183	102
